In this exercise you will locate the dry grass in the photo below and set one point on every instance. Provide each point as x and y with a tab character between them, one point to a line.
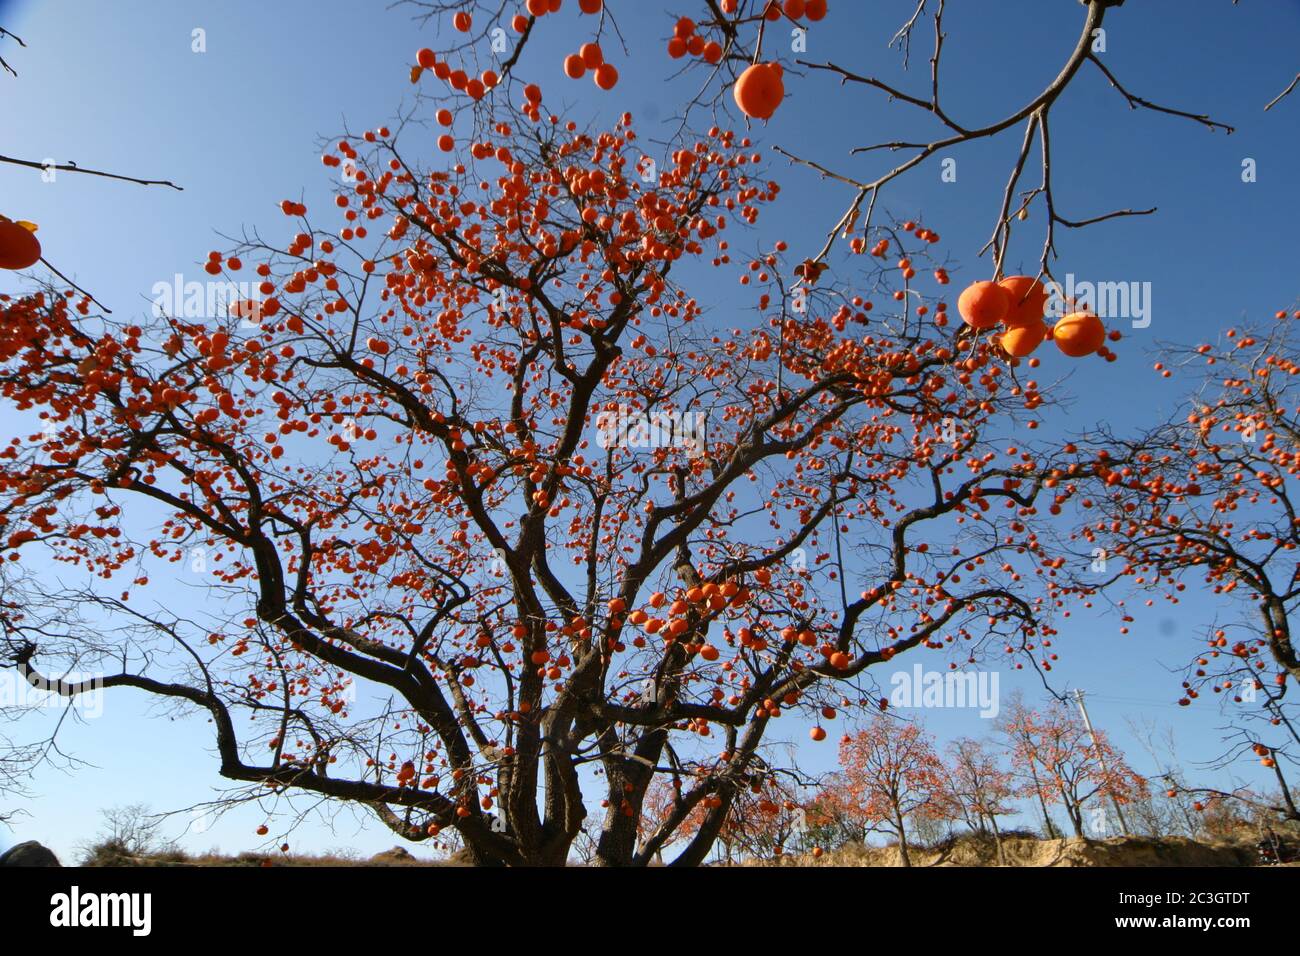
108	855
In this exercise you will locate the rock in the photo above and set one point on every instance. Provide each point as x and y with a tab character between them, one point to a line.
394	857
30	853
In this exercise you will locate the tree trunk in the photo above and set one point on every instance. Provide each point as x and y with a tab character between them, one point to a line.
1052	834
617	842
997	840
902	838
1075	813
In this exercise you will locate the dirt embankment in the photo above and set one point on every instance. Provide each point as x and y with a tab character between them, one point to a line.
1028	851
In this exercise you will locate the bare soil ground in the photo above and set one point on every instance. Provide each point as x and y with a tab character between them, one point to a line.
1029	851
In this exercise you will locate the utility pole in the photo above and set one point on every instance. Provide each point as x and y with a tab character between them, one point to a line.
1078	696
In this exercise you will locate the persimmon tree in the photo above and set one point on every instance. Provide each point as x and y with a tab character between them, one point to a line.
767	820
890	771
1077	767
831	822
979	787
430	461
1208	502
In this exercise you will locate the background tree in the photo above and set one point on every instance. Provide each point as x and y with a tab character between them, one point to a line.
979	787
1167	810
129	835
833	820
1077	770
1016	724
890	771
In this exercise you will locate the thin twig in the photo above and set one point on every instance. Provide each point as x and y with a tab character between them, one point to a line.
46	263
1135	101
3	63
74	168
1277	99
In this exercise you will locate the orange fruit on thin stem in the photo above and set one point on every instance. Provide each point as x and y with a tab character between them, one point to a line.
606	76
759	90
1028	299
19	248
1021	340
1079	334
983	304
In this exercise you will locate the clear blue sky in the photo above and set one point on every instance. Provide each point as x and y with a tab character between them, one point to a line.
117	86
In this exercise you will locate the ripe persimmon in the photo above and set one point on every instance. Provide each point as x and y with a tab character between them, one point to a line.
983	304
592	55
759	90
1079	334
1021	340
606	76
19	247
1028	299
574	68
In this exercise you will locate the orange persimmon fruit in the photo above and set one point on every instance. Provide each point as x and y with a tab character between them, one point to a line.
1028	299
19	247
1079	334
1021	340
759	90
983	304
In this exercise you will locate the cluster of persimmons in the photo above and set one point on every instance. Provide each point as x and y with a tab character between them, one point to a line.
1018	304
